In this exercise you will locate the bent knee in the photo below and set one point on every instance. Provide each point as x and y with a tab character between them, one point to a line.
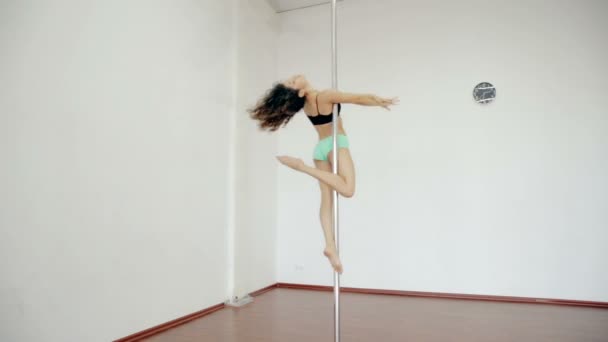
348	193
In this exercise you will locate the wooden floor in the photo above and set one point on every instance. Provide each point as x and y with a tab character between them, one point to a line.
289	315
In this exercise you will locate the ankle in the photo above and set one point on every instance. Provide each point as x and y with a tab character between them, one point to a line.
331	247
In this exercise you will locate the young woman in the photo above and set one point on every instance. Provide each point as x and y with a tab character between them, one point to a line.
286	99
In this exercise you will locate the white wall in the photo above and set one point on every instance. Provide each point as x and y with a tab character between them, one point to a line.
255	165
505	199
114	156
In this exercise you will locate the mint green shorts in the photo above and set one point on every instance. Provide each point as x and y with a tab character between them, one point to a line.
324	146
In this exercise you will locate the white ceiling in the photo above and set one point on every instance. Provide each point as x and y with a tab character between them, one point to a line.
289	5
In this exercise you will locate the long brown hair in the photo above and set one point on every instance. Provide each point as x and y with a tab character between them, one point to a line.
277	107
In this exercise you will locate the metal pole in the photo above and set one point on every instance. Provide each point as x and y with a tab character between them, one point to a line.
334	84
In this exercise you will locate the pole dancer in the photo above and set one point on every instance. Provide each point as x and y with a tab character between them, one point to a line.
277	108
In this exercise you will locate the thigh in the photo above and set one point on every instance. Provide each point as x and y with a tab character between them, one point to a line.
325	189
346	166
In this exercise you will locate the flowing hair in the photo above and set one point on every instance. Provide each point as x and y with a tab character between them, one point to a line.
277	107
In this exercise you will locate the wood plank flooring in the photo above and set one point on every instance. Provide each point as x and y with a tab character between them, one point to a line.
290	315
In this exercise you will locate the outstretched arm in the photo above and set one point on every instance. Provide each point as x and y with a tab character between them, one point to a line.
334	96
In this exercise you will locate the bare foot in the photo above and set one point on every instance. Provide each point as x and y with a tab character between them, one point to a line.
294	163
331	253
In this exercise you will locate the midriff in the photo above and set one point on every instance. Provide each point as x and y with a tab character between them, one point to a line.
326	130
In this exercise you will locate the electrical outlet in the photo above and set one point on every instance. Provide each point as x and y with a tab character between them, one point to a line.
299	267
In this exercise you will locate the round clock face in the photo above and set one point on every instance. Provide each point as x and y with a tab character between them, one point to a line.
484	93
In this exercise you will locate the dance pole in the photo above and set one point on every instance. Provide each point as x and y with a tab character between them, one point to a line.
334	85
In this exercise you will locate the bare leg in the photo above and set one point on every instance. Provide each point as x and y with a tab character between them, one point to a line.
325	214
343	182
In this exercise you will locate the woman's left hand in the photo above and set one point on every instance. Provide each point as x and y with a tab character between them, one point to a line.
386	102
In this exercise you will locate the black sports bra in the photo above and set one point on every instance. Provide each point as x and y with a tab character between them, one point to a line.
322	119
